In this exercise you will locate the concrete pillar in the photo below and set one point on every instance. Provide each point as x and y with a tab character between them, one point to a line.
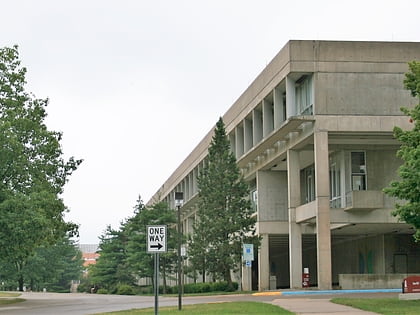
295	233
257	126
264	264
248	143
267	118
278	108
290	97
322	192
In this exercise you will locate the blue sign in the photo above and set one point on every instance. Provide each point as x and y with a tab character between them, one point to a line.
248	252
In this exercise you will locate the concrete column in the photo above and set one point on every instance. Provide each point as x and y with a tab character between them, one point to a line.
295	233
290	97
248	143
278	108
264	264
322	192
257	126
267	118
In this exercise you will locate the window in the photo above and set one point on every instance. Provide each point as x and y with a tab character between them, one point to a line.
254	199
358	170
309	180
335	186
304	102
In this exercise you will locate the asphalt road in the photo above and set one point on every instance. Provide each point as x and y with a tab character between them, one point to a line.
82	304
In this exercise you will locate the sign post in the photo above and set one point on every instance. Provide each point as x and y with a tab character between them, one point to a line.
248	257
156	243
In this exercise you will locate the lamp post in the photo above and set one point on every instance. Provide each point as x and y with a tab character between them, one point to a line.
179	200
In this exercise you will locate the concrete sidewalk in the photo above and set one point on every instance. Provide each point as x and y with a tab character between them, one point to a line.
317	307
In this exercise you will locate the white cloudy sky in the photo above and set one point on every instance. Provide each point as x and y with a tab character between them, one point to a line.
135	85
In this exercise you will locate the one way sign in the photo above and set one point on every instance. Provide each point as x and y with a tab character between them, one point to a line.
156	238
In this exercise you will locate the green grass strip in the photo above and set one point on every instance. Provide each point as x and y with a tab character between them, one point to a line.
9	294
387	306
10	301
236	308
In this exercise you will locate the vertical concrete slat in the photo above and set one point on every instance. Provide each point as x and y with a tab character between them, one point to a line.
248	143
322	191
295	233
239	141
290	97
257	126
278	108
267	118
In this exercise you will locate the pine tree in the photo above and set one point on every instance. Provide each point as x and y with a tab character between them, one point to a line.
225	216
408	187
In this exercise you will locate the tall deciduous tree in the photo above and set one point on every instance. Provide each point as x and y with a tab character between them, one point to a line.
408	187
32	169
225	216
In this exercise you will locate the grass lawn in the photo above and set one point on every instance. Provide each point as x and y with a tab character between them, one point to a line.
8	294
388	306
9	298
10	301
212	308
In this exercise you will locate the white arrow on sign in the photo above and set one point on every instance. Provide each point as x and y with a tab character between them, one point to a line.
156	238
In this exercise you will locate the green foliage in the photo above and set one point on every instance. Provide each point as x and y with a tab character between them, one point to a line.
141	262
408	187
85	285
111	268
102	291
32	170
125	289
123	256
51	266
204	287
225	216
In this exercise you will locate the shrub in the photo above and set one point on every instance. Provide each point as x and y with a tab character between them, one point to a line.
102	291
220	286
125	289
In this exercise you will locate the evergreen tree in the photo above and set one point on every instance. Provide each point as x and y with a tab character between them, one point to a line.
225	216
141	262
111	268
408	187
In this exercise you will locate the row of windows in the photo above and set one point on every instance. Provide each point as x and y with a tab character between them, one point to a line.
338	174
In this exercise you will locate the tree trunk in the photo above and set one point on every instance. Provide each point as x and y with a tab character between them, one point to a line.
164	276
228	279
20	282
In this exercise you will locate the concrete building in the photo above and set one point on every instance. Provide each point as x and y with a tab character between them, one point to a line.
313	136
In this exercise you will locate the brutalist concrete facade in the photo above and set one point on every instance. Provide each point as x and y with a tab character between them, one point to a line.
313	137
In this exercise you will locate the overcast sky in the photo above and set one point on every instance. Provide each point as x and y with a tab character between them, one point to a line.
135	85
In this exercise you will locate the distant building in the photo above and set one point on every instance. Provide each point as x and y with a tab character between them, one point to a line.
89	253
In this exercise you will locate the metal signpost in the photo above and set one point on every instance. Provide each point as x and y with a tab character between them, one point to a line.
248	256
156	243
